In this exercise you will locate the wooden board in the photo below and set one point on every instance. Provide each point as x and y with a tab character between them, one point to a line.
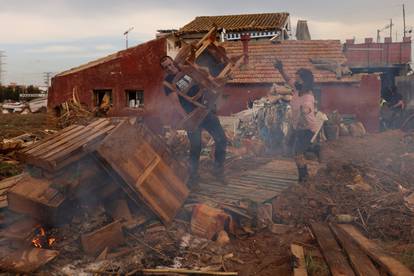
66	146
360	262
143	168
108	236
25	260
35	197
299	268
331	251
378	254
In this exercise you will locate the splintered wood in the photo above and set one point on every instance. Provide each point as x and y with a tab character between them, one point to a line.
66	146
146	168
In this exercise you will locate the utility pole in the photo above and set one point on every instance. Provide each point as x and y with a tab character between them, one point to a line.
126	36
2	55
391	29
46	78
404	20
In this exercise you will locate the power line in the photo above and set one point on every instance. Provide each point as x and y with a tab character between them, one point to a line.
2	55
46	78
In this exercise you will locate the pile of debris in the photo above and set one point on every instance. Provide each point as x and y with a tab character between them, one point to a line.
73	112
372	199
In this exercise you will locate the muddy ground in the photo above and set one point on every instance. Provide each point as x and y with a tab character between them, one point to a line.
379	164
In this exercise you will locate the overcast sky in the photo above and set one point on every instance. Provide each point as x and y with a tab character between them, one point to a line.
54	35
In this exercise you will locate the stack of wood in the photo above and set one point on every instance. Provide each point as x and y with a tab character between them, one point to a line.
73	112
115	163
348	252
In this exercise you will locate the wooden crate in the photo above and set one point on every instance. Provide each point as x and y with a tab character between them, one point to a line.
66	146
146	169
35	197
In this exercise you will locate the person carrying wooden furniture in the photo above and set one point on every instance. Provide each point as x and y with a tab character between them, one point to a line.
191	98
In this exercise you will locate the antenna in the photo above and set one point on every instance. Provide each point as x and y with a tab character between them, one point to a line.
126	36
405	29
46	78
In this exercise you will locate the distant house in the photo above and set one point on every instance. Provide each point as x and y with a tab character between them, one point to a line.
263	26
388	58
358	95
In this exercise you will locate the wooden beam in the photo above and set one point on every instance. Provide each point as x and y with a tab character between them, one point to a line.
378	254
334	257
360	262
299	268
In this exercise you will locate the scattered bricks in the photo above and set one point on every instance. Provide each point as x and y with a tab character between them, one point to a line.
108	236
207	221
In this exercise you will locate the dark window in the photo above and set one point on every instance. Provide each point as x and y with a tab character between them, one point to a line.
135	98
99	94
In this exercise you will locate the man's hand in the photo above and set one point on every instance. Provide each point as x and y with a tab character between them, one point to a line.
278	65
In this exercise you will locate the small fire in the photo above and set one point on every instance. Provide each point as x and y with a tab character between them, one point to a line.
41	240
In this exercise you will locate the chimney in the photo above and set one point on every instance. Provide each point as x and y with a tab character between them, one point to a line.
387	40
368	40
350	41
302	30
245	38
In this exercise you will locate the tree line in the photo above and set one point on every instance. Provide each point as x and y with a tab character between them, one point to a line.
13	92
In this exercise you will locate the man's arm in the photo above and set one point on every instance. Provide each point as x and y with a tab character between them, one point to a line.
279	66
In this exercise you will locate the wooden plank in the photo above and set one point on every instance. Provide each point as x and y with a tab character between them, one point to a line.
299	268
108	236
360	262
337	262
378	254
71	140
25	260
51	143
48	138
82	142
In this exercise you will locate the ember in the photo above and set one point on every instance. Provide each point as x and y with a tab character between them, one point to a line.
42	240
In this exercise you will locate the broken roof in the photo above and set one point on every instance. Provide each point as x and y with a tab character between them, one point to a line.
295	54
240	22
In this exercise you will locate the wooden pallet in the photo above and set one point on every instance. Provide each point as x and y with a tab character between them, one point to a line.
66	146
259	184
145	169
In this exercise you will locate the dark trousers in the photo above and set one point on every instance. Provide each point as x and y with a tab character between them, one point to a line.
212	124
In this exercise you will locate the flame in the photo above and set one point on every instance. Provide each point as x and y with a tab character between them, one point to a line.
42	240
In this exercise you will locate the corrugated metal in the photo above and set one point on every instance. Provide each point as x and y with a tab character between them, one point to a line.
258	185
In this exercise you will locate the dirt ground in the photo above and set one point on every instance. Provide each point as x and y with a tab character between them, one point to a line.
13	125
377	162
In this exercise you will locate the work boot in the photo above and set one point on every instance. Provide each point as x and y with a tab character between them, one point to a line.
193	181
218	172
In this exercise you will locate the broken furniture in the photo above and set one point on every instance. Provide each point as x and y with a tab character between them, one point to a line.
207	65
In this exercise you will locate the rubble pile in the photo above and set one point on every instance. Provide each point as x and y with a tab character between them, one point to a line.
73	112
344	192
